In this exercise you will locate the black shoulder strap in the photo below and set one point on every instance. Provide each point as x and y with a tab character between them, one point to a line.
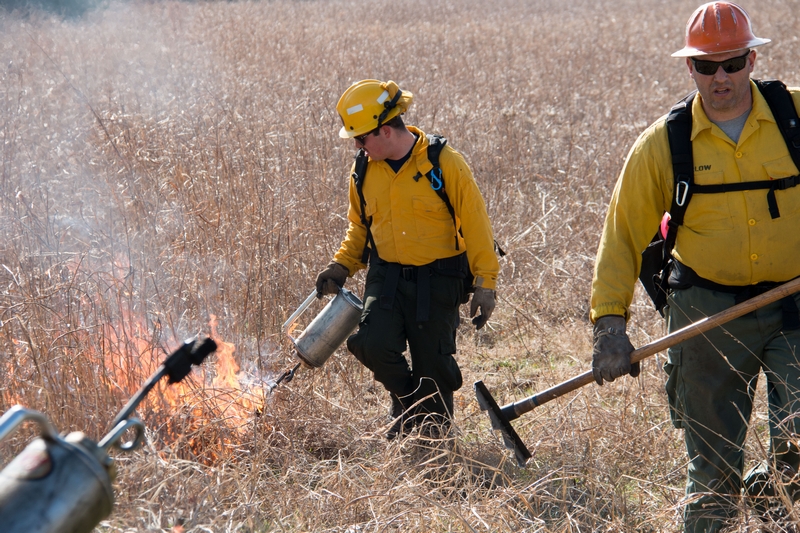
782	107
679	132
654	270
679	128
359	174
436	144
781	104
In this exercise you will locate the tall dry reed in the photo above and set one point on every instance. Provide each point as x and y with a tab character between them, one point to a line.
166	164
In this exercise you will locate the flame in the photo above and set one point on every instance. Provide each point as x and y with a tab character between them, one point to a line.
227	369
206	412
201	417
228	380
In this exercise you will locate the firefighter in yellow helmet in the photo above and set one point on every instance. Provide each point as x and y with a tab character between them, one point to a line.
421	228
731	234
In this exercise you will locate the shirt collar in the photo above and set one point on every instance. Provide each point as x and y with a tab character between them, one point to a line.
759	111
420	150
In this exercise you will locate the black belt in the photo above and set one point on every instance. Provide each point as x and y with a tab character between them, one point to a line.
409	273
683	277
451	266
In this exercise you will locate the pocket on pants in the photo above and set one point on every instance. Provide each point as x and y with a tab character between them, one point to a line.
449	369
673	386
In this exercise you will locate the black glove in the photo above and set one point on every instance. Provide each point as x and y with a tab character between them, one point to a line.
483	298
330	280
611	356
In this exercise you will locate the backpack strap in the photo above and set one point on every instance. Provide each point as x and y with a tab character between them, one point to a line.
781	104
679	132
782	107
359	173
771	185
436	144
654	273
679	129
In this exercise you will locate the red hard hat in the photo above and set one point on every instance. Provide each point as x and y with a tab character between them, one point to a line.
718	27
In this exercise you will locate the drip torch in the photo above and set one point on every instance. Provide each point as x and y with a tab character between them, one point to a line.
329	329
63	484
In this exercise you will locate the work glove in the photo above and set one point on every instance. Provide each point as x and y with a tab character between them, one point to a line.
483	298
330	280
611	356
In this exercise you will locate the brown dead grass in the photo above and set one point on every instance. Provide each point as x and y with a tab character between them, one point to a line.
162	162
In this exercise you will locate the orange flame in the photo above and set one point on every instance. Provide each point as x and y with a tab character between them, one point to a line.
203	414
200	416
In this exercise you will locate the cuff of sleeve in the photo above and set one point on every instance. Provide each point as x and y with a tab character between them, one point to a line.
486	283
352	268
614	308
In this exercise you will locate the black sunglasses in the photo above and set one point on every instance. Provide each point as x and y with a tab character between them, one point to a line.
363	137
709	68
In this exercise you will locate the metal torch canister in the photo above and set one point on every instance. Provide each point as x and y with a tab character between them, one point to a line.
55	485
328	330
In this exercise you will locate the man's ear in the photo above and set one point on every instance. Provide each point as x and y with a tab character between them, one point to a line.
751	59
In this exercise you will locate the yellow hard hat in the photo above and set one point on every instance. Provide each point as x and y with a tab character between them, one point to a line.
369	104
718	27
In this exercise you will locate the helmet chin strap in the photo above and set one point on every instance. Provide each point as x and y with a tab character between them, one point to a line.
388	106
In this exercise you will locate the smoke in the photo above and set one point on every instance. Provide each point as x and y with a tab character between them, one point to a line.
166	148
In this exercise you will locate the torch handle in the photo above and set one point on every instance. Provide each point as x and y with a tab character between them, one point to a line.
515	410
296	314
137	398
18	414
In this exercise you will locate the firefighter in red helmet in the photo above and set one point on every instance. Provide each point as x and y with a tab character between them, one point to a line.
734	208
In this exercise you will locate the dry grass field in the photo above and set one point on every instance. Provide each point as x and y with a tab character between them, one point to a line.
173	168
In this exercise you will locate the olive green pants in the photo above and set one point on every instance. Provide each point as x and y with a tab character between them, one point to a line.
383	335
711	385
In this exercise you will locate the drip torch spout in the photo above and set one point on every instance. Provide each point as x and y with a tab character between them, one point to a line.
286	376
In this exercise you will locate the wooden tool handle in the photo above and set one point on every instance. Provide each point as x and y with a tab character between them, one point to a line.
701	326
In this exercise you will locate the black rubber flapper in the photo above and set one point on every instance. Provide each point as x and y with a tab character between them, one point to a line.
501	423
179	363
176	366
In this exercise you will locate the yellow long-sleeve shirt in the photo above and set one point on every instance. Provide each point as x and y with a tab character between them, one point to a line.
728	238
411	224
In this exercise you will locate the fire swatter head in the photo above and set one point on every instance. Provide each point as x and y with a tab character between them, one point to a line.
192	352
501	423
